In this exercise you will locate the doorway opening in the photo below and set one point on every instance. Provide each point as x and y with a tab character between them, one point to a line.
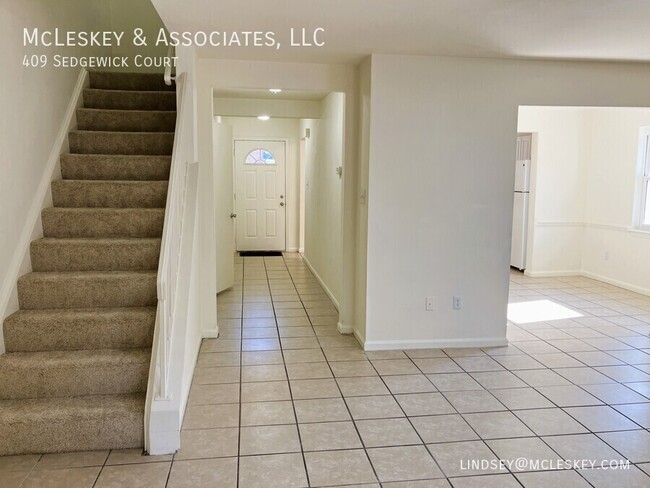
280	160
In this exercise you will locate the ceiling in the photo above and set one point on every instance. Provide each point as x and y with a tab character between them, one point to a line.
548	29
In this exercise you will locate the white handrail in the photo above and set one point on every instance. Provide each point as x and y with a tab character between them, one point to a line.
168	69
174	274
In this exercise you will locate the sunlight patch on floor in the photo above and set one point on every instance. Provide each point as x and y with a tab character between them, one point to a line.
539	311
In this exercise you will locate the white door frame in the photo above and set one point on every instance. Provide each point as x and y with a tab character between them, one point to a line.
284	140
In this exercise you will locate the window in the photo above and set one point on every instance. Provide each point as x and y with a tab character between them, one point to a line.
643	183
259	156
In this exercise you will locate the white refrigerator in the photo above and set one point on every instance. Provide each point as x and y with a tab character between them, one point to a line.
520	209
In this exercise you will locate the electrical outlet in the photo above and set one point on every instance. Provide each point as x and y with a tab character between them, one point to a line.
457	303
429	304
606	255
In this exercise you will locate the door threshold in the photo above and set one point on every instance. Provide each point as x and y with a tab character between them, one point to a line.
260	253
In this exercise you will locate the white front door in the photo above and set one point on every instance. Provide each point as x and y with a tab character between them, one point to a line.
260	196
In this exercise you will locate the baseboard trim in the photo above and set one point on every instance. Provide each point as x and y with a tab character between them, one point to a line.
292	249
32	229
361	339
210	333
551	274
434	344
322	283
620	284
344	328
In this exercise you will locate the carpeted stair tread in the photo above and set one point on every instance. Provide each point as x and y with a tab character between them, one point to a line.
126	120
103	222
113	142
129	99
115	167
79	329
98	254
111	80
48	425
89	289
109	194
56	374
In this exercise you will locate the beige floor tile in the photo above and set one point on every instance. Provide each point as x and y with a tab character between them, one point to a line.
362	386
638	412
267	413
532	448
266	372
443	428
253	358
496	425
416	383
374	407
12	479
281	470
568	396
605	478
487	481
339	468
269	439
321	410
386	367
151	475
522	398
72	460
303	356
498	380
329	436
341	341
550	421
297	332
581	446
454	458
214	394
260	333
260	344
210	376
215	359
454	382
555	479
387	432
633	444
350	369
615	394
18	463
208	443
266	391
425	353
211	416
302	371
299	343
439	483
63	478
382	355
403	463
424	404
603	418
311	389
344	354
437	365
473	402
133	456
204	473
541	377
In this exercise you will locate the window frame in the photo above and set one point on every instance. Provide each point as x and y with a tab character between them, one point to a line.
274	163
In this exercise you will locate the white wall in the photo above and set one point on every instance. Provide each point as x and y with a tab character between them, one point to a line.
442	144
33	102
585	167
250	127
324	152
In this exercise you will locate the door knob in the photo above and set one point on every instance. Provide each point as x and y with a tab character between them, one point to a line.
282	204
233	215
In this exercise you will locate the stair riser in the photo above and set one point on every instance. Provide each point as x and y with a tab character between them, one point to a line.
125	100
78	223
51	382
118	427
121	330
129	81
85	256
89	142
96	167
126	120
87	292
84	194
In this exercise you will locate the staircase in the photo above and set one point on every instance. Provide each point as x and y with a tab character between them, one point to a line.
78	351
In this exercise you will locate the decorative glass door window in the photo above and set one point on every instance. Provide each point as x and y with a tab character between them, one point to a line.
259	156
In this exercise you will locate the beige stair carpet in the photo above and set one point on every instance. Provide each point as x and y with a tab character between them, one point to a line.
78	351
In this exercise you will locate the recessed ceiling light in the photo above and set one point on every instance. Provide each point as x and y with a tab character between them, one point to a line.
263	117
275	90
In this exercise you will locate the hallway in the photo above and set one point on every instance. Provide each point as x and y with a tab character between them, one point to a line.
282	400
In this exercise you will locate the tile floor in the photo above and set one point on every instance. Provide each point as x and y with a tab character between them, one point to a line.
282	400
